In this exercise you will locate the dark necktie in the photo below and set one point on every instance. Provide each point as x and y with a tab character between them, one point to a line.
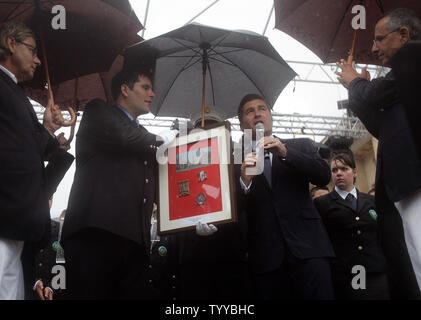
267	171
352	200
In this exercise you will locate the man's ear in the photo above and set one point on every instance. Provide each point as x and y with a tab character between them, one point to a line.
405	34
124	89
11	45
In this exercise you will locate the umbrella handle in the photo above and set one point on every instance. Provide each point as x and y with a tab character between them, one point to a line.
72	120
72	132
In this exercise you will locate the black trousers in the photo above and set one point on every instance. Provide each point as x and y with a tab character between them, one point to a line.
102	265
296	279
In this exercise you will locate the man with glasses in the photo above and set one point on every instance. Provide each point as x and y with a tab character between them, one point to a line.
24	146
380	106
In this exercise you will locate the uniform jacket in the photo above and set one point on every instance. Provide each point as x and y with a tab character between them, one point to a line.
353	233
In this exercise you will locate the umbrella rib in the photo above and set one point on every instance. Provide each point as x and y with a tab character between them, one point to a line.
223	38
251	80
186	46
191	65
337	29
228	63
175	78
188	56
234	50
14	9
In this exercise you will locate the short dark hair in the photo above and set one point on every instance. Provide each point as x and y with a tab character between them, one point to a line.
128	78
247	98
16	30
403	17
346	158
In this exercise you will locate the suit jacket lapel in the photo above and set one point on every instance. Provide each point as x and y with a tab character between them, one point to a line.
22	96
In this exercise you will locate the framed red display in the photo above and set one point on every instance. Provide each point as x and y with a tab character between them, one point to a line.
197	182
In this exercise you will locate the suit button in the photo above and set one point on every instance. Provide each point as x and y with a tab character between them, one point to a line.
40	264
144	200
42	250
150	266
146	162
360	248
359	232
146	180
357	218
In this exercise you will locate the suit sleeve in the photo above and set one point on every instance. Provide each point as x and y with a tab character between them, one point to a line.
406	64
319	204
304	158
103	126
366	98
58	164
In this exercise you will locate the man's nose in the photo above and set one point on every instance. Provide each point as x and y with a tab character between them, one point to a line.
37	61
374	48
152	94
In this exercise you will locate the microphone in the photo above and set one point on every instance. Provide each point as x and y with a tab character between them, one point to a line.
260	133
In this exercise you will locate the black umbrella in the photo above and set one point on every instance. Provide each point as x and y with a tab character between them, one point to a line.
198	65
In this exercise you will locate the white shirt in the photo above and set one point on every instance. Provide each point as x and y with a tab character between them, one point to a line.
343	193
11	75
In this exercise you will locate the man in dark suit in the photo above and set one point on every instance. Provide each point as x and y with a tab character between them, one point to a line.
106	233
25	185
288	243
384	113
350	218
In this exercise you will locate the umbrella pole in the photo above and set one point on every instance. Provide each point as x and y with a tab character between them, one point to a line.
205	47
351	55
47	73
203	98
72	128
50	90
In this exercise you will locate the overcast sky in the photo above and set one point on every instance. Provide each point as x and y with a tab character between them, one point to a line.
167	15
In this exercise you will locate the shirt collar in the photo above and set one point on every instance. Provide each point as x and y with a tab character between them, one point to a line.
343	193
127	114
11	75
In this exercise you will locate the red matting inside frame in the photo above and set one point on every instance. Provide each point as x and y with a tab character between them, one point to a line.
194	183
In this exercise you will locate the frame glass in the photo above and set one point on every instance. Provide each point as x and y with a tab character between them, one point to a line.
197	182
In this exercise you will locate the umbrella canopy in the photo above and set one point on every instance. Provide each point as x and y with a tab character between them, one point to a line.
325	26
96	32
197	62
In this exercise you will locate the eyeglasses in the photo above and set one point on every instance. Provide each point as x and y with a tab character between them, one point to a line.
30	47
379	39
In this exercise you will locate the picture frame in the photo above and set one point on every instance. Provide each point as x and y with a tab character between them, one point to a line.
197	183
